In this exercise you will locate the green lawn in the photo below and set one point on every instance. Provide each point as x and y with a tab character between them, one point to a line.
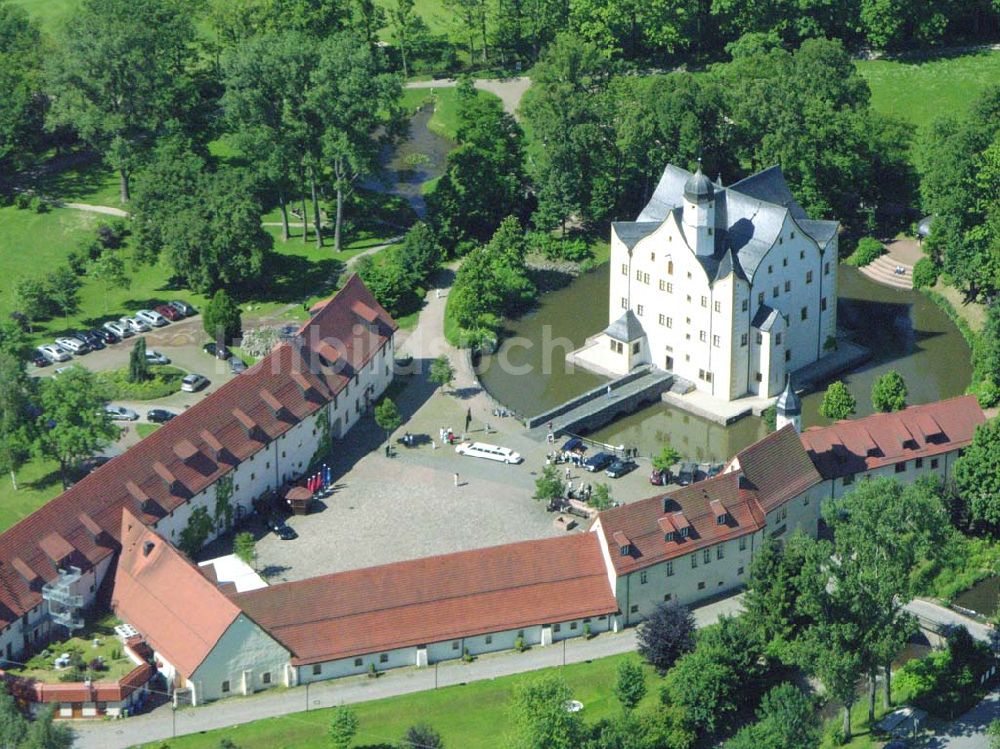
109	649
473	716
144	430
444	121
919	91
38	482
49	13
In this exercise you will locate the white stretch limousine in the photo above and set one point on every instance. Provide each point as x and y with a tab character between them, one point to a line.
490	452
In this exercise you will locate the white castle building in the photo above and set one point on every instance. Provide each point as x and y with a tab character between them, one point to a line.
732	288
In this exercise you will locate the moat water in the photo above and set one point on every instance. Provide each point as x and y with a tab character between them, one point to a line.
904	330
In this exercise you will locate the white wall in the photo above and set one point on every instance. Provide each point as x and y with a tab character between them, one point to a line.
244	647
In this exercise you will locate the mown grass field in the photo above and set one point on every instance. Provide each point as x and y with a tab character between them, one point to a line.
919	91
474	716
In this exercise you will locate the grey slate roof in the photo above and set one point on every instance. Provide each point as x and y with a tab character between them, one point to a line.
748	216
698	188
788	402
626	328
765	318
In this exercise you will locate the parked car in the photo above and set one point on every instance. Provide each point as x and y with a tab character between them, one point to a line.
106	335
118	329
686	473
63	370
193	382
91	338
659	478
152	318
53	353
237	365
159	415
184	308
136	325
73	345
489	452
89	465
714	469
281	529
218	351
620	467
598	462
155	357
120	413
168	312
38	359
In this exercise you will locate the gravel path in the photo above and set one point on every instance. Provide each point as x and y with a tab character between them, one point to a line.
510	90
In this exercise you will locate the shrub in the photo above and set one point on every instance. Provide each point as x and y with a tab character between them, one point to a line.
38	205
165	381
925	273
519	645
867	251
22	201
112	235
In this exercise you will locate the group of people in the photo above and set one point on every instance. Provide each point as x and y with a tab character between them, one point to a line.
446	435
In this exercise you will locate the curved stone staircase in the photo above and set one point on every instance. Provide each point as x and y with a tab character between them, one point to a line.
883	271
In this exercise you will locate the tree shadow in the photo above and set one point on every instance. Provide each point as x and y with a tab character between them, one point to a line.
72	176
292	278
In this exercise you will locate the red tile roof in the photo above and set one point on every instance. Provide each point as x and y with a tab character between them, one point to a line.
645	523
164	596
130	481
778	467
860	445
435	599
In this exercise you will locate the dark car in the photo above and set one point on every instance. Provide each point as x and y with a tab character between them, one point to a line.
620	467
687	473
168	312
89	465
106	336
598	462
237	365
216	350
281	530
159	415
38	360
91	339
659	478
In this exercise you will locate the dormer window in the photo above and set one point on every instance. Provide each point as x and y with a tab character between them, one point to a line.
668	536
683	532
624	545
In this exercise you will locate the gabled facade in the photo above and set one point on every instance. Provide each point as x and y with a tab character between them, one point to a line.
734	287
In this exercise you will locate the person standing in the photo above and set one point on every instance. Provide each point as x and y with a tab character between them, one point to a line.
608	391
468	418
456	479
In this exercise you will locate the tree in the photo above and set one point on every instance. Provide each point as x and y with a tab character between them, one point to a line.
666	458
773	593
245	547
993	731
62	286
838	403
121	74
73	423
601	498
630	686
442	373
387	416
13	726
221	318
343	726
138	366
20	88
45	733
109	268
421	736
16	389
541	720
359	108
786	719
704	686
977	479
31	299
404	25
889	392
666	635
549	486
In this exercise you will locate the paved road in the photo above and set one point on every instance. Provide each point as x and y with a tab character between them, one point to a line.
159	724
510	90
969	731
929	611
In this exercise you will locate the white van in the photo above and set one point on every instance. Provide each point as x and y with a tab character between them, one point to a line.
490	452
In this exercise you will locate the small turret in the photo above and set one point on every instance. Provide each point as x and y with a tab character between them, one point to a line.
789	408
699	213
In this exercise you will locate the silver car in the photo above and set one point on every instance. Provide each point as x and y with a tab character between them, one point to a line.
122	330
155	357
73	345
151	317
135	324
120	413
193	382
53	353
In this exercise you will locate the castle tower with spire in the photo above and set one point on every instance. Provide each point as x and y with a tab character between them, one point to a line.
789	408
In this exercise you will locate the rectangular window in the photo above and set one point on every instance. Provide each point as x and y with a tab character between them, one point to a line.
739	570
745	305
667	596
670	322
805	313
662	319
760	338
743	543
720	551
383	658
455	645
918	463
558	627
770	269
225	686
489	639
788	286
317	669
826	269
694	561
670	569
760	298
775	291
901	466
670	288
822	304
708	376
645	278
934	462
663	285
777	339
809	276
635	347
624	269
265	677
702	335
716	341
634	609
743	339
718	306
848	479
784	260
638	275
706	555
624	302
701	586
638	310
572	625
704	301
358	662
643	578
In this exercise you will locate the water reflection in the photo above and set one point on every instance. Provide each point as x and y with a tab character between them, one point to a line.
904	330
